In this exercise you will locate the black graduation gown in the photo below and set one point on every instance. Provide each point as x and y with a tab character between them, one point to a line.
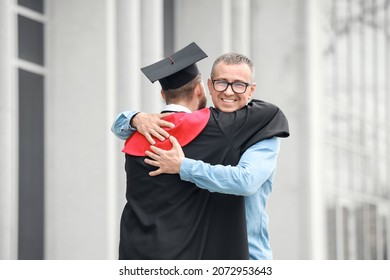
167	218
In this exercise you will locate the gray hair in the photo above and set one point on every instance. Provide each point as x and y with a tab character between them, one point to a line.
234	58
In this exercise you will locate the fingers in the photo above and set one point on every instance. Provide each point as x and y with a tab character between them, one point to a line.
160	133
174	141
152	126
152	162
150	139
152	156
164	123
155	173
163	115
176	148
156	151
156	132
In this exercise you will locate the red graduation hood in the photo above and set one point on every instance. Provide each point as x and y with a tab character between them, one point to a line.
187	127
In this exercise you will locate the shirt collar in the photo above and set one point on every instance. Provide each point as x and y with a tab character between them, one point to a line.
176	108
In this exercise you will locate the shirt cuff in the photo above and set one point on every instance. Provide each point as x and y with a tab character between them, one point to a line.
131	128
186	169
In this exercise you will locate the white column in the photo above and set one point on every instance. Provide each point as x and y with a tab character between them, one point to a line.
227	25
127	96
152	51
315	42
241	27
79	170
129	52
112	150
8	134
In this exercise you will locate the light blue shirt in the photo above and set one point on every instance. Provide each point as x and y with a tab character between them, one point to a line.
252	177
121	126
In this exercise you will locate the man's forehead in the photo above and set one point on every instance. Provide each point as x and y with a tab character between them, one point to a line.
237	71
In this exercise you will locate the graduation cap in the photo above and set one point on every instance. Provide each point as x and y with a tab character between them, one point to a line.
176	70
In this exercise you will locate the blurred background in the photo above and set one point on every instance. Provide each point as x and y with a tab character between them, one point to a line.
67	68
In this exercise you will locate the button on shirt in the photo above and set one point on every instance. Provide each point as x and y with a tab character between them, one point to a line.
252	177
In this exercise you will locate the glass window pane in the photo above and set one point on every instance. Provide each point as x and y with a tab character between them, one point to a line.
36	5
31	166
346	249
360	241
31	43
384	239
373	231
332	235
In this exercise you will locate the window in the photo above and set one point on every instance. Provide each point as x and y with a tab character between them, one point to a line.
31	160
31	87
357	98
36	5
30	44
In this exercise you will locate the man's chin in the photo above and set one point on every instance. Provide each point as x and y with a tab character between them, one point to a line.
226	109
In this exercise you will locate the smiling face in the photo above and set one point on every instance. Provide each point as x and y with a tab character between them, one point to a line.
228	100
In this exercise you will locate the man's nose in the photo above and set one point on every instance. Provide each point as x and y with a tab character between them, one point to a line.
229	90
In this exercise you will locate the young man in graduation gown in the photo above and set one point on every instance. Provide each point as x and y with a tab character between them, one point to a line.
166	218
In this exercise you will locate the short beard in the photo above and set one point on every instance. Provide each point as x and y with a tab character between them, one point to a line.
202	103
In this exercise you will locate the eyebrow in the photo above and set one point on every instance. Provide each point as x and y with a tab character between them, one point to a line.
237	80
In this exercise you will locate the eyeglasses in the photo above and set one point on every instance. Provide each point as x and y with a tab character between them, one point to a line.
237	87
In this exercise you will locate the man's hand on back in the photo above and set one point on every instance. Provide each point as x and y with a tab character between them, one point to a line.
151	125
167	161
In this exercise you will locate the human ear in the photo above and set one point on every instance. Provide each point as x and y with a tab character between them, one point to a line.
252	90
209	85
163	95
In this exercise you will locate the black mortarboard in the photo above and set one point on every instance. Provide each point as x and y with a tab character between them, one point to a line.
176	70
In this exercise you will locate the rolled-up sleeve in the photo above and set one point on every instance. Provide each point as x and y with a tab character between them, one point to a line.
121	126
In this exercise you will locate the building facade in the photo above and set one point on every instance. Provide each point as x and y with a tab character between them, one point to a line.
357	155
67	68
